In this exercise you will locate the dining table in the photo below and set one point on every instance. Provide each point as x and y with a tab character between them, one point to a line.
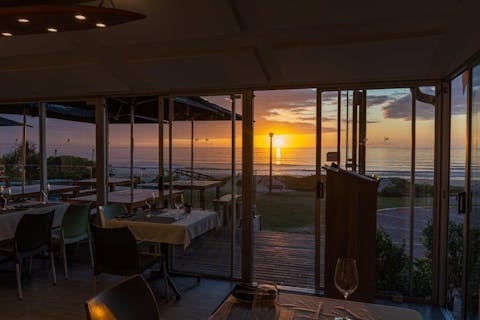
33	191
131	199
112	183
9	218
293	306
168	227
199	185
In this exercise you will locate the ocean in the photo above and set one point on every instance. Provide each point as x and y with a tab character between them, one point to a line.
382	161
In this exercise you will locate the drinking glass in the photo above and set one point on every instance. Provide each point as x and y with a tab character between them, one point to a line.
178	202
4	197
149	204
154	200
265	303
346	280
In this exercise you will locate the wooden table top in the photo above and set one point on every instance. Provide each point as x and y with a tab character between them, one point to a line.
125	197
34	190
195	184
93	181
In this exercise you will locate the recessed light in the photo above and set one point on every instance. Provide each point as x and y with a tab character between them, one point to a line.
23	20
80	17
7	34
101	25
52	29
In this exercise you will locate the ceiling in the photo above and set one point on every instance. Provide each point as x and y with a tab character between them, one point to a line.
192	46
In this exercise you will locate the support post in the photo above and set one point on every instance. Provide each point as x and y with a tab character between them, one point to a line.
362	145
270	176
318	198
339	124
161	173
101	165
247	184
412	193
24	149
42	134
171	103
233	191
132	146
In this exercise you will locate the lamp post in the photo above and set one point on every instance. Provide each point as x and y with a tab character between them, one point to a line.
270	182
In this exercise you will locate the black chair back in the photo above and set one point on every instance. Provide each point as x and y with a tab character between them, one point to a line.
34	232
115	251
130	299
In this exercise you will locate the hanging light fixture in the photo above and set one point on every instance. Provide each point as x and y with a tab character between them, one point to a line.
41	16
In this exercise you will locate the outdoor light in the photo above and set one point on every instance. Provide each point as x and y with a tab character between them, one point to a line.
25	17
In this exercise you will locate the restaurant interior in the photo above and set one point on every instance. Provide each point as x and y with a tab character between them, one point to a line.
239	159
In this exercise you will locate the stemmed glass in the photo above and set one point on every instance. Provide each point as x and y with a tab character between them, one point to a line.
178	202
45	194
5	196
346	280
149	204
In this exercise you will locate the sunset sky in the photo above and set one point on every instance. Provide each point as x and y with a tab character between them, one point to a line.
289	114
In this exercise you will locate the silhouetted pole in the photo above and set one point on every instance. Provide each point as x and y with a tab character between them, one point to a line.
270	184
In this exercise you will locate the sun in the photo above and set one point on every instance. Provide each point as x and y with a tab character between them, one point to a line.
278	142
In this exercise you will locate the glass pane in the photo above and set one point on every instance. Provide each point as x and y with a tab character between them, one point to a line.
423	202
284	244
459	94
388	155
473	275
217	252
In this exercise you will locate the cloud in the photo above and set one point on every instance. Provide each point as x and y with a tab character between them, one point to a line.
303	115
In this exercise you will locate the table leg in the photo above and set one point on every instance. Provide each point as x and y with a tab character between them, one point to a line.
217	192
166	277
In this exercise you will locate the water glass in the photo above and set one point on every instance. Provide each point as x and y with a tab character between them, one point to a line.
265	303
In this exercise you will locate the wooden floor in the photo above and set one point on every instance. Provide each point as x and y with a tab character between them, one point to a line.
282	258
66	300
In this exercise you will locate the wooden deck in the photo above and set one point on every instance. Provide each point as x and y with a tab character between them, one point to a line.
282	258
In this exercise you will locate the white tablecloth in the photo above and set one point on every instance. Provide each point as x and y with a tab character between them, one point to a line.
295	306
9	220
179	232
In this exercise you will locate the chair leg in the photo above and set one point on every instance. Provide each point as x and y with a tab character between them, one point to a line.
19	281
54	275
64	257
91	251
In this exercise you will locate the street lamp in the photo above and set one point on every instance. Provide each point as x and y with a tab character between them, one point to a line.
270	184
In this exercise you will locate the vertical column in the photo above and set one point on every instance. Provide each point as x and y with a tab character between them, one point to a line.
232	186
441	183
362	135
412	192
132	146
247	185
171	103
101	166
24	149
161	173
339	124
318	198
42	134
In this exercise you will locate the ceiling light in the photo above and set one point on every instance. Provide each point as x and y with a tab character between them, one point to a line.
52	29
23	20
7	34
101	25
80	17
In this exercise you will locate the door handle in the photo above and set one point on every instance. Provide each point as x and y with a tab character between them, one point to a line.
462	204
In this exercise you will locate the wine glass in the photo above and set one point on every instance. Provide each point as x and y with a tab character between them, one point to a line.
178	202
149	204
3	196
154	199
346	279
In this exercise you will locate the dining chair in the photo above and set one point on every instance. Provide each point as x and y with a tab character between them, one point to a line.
74	228
110	211
33	235
130	299
116	252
